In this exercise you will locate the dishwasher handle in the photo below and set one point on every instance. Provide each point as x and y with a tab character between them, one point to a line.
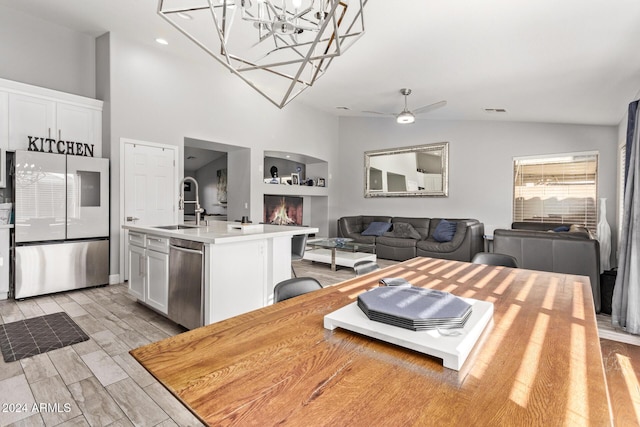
191	251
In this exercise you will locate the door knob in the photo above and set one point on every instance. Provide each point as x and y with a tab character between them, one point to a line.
132	218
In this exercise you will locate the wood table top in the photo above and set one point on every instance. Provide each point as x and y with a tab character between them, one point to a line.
538	362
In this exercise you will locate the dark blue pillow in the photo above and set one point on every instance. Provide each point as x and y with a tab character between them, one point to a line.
444	231
561	228
377	229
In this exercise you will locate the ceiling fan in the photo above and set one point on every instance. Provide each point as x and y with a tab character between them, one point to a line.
406	116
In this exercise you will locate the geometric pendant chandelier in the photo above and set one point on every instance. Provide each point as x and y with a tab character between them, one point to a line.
278	47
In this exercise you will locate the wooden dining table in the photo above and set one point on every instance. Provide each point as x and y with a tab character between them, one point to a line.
538	361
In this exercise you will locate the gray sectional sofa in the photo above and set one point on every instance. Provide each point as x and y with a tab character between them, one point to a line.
537	247
400	245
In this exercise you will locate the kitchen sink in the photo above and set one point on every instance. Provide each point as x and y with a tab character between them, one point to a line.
175	227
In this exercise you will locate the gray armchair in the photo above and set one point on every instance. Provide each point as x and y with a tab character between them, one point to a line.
564	252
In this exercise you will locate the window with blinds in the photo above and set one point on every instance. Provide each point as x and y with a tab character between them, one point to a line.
560	189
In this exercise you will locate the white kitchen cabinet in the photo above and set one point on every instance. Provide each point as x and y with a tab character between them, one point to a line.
49	114
157	290
30	116
79	124
5	261
149	270
137	265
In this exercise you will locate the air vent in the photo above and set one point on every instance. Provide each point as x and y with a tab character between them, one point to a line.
495	110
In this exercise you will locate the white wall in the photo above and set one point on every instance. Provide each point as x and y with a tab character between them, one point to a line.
160	98
208	179
150	95
43	54
480	164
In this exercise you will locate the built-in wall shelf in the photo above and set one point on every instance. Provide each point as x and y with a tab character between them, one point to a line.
315	206
307	167
295	190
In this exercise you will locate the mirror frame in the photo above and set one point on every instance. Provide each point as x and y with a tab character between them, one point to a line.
440	146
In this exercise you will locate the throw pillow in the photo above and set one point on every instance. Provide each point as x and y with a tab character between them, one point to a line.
376	229
444	231
561	228
405	231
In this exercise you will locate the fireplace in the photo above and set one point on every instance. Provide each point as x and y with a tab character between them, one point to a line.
283	210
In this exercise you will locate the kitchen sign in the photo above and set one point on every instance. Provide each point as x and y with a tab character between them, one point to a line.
50	145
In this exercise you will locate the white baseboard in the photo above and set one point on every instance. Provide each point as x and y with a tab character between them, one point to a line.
114	279
619	336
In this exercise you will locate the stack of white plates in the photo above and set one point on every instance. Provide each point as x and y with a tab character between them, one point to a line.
414	308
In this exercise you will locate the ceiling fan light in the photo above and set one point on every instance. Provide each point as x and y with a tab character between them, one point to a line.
405	118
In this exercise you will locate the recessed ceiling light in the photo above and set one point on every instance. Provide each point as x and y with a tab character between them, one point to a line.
162	41
185	16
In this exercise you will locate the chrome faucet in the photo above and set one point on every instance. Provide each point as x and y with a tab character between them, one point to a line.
181	201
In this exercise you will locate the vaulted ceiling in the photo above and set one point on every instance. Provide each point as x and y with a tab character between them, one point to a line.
570	61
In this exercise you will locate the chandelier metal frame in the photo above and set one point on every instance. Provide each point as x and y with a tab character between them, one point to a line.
292	42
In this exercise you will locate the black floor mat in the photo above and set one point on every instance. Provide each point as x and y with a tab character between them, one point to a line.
29	337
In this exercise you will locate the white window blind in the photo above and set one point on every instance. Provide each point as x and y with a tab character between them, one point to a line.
41	195
561	189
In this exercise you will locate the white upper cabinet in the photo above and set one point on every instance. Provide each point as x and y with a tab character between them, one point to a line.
30	117
57	122
79	125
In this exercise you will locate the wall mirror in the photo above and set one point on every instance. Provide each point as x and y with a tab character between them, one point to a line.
418	171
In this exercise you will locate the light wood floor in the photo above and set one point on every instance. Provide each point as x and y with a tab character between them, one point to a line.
102	385
95	382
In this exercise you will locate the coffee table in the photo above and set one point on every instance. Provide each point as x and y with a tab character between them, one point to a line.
339	251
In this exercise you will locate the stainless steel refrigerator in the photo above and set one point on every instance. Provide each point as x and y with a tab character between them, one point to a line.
61	222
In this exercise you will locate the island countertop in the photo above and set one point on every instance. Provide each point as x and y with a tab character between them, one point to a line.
218	232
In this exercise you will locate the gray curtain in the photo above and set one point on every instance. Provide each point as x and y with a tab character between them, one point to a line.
625	305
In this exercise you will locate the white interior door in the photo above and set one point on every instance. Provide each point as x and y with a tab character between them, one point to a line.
149	187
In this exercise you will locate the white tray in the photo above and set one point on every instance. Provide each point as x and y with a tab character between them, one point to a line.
245	228
452	349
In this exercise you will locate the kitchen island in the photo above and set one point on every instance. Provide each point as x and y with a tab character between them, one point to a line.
240	265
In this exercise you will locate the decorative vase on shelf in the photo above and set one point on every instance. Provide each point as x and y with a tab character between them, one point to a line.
603	232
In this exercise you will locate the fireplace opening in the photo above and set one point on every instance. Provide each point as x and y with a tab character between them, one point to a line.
283	210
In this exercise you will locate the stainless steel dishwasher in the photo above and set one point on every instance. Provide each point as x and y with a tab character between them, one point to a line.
186	283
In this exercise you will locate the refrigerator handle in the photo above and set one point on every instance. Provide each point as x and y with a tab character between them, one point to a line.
79	189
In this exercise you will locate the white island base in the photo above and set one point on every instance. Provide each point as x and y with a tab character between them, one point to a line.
240	276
